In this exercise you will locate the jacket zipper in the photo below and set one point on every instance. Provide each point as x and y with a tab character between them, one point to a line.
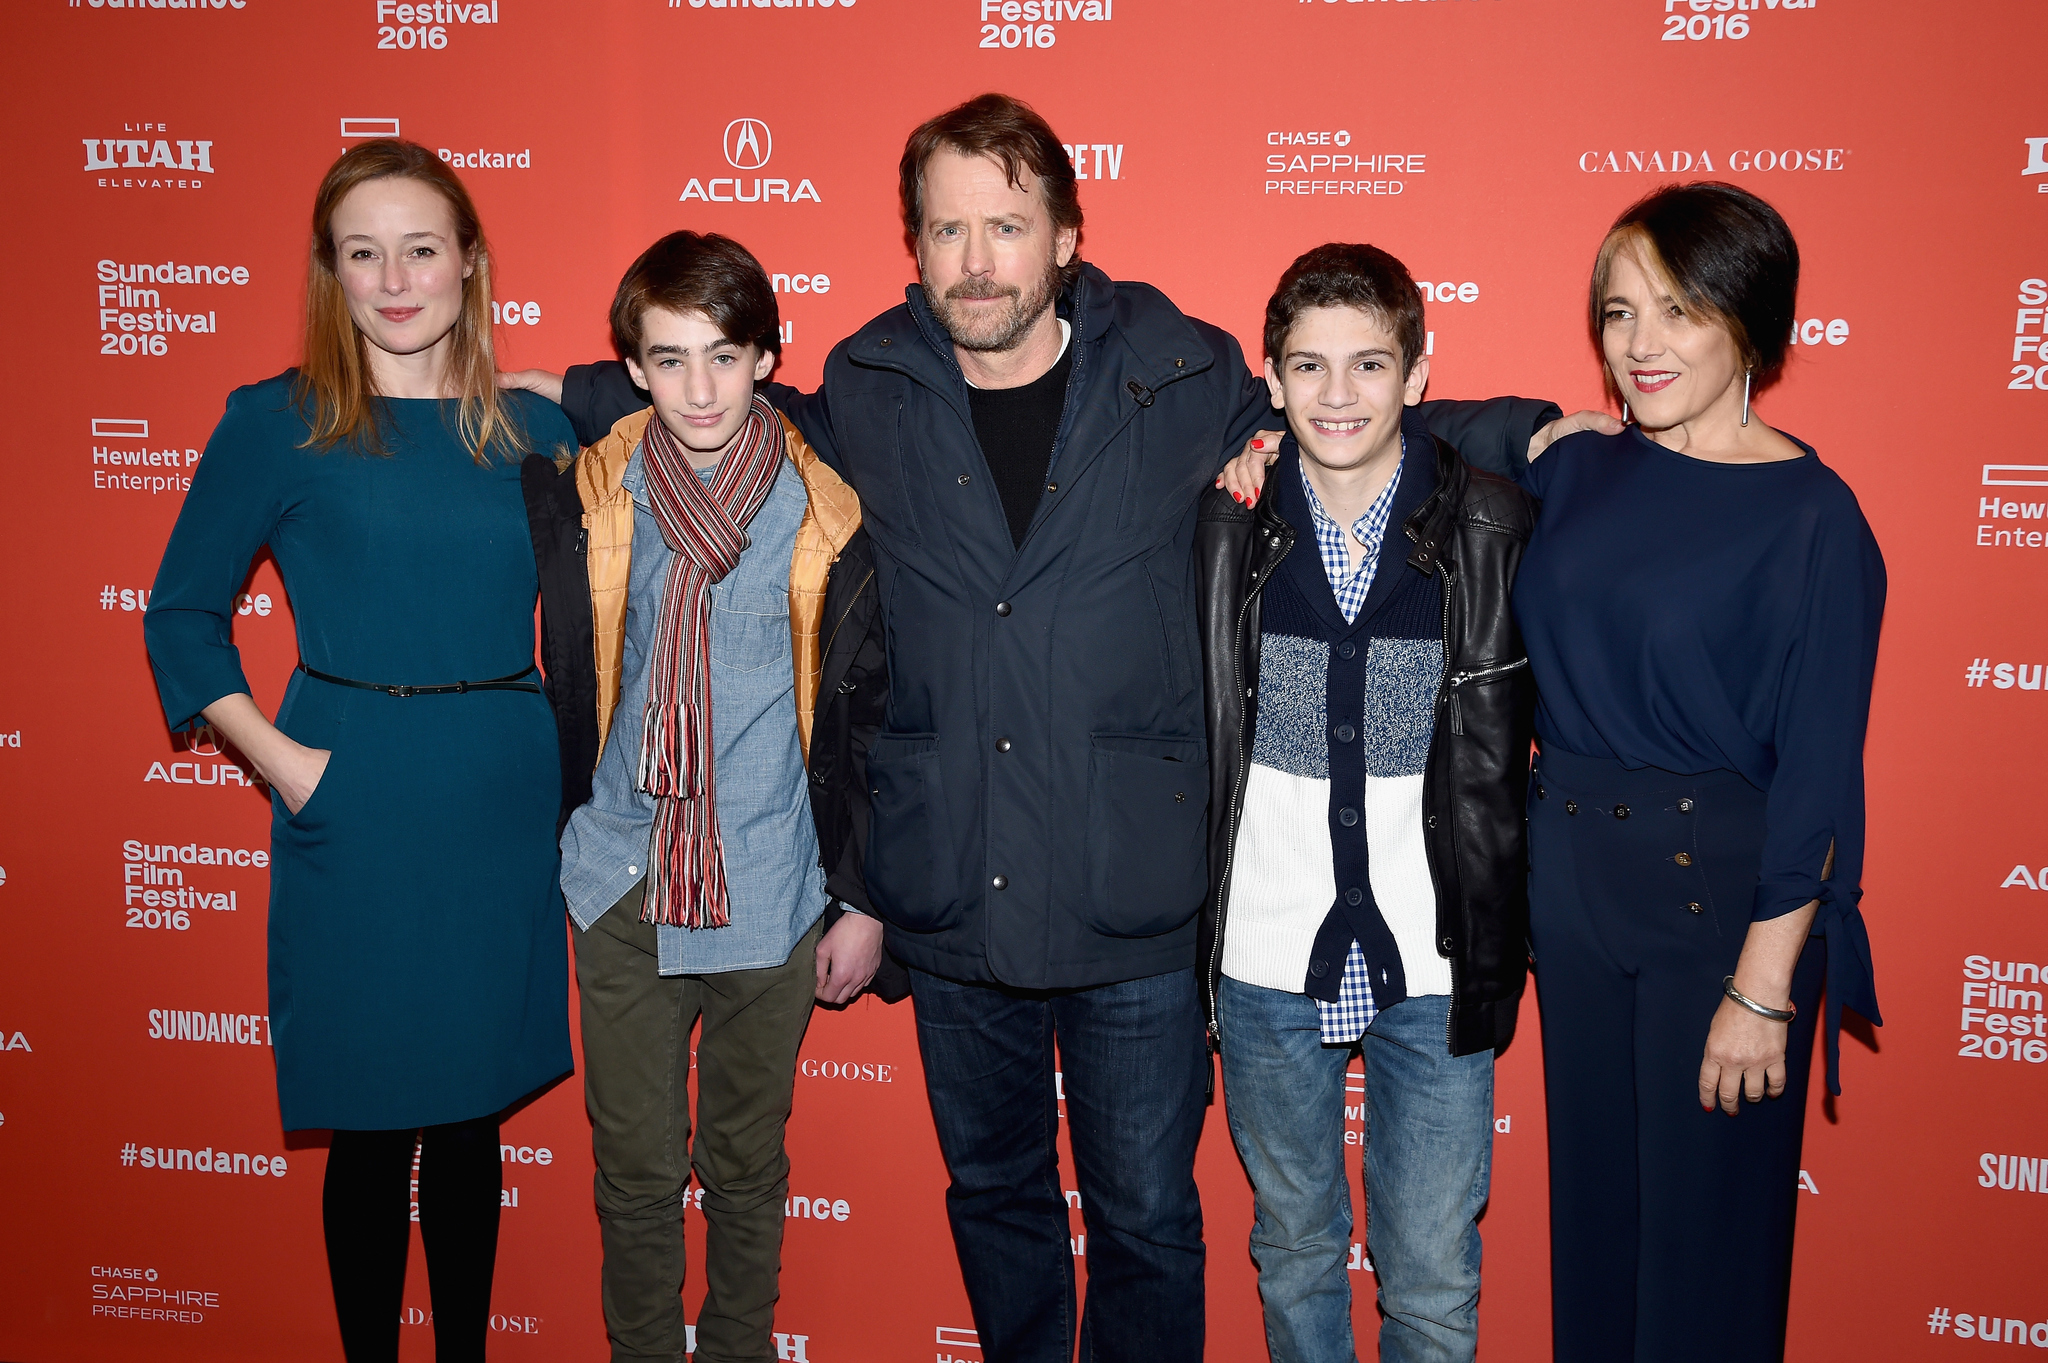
1470	675
1236	801
1453	680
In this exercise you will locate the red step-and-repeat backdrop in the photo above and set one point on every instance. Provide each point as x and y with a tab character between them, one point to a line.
164	158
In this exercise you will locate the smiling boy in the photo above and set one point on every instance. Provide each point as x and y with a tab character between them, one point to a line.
1368	693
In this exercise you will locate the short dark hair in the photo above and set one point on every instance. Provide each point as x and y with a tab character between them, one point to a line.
698	272
1727	254
1011	133
1341	274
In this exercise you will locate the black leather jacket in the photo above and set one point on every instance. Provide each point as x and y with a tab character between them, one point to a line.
1470	535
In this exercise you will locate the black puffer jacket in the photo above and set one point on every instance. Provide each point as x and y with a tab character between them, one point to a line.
1469	534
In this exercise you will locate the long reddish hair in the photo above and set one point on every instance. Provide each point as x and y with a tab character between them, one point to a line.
335	387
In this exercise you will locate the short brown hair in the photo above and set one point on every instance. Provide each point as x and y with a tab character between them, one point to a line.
334	387
698	272
1724	252
1011	133
1344	275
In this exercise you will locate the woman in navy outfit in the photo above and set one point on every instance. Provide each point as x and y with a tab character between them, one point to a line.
1701	602
418	972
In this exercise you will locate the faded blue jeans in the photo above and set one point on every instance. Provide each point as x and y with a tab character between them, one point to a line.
1428	1159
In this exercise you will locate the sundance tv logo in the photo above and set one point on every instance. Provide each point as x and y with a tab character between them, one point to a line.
749	145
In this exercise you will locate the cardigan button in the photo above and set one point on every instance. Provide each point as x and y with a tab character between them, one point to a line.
1347	816
1347	649
1319	968
1345	733
1354	896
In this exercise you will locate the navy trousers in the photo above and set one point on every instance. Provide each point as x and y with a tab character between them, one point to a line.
1135	1072
1670	1227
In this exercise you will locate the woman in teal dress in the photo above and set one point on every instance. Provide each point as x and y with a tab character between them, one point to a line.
418	974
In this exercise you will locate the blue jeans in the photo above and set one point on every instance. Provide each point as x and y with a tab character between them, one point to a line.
1428	1159
1131	1058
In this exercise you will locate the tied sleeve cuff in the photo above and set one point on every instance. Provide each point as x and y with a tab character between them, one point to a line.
1851	981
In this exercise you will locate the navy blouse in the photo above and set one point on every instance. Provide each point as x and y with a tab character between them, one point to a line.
1699	616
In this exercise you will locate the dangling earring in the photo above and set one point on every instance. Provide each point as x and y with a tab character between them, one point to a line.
1624	414
1745	397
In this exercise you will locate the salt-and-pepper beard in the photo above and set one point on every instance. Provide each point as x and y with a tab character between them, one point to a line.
1009	331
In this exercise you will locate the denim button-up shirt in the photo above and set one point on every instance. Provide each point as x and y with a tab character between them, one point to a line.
777	890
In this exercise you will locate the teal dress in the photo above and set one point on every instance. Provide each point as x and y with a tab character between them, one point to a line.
418	962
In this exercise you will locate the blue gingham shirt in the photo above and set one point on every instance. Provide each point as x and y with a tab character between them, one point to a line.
1345	1021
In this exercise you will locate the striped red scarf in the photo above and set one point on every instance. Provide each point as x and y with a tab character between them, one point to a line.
706	529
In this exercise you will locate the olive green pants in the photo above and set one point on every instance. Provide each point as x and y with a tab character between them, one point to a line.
637	1025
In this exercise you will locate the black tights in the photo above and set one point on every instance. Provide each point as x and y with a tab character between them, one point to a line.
366	1210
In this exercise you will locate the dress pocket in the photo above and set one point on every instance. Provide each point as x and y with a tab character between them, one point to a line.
913	869
1147	860
313	813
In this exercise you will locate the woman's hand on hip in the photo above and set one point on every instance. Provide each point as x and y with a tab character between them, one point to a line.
1745	1058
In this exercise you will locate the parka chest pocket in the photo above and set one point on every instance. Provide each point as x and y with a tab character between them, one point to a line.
879	438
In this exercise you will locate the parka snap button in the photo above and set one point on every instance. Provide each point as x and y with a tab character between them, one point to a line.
1683	858
1431	821
1001	882
1447	945
1571	806
1002	608
1180	797
965	480
1692	908
1052	487
1621	811
1685	806
1002	745
1542	794
885	340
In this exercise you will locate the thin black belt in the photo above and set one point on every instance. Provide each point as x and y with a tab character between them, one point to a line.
511	683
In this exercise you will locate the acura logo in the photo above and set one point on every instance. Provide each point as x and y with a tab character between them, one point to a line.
748	144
